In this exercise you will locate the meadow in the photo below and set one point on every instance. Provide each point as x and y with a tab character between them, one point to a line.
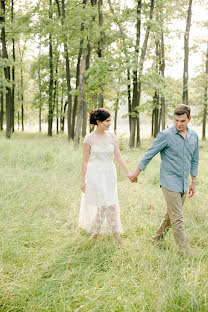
48	264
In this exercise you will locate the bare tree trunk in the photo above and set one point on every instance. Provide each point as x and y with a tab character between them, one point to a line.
77	75
50	99
22	98
81	103
62	111
63	119
84	124
162	70
2	110
156	102
152	123
116	113
40	91
156	114
6	73
77	86
101	46
68	77
135	78
57	115
141	64
18	113
205	100
62	15
13	69
55	97
18	120
186	54
1	101
129	97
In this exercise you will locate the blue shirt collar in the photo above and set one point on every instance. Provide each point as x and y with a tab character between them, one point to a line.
189	132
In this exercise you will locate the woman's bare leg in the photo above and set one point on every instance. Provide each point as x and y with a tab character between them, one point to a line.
111	216
100	216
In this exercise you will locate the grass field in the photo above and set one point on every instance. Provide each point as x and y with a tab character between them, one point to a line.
48	264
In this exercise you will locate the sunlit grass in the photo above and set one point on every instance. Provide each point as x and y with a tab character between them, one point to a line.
48	264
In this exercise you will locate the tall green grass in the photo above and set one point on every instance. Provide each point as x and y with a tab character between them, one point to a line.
48	264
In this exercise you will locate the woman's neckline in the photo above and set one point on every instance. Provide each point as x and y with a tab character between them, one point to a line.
105	133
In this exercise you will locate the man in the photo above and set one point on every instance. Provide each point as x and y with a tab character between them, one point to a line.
179	150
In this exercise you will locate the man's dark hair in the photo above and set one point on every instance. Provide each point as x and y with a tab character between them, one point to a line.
182	109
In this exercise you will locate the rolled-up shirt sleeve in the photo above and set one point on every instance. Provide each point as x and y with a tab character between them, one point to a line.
195	160
158	145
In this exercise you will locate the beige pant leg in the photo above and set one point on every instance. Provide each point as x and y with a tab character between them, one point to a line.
175	203
163	229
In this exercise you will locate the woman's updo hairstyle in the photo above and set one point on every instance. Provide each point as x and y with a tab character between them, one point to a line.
100	114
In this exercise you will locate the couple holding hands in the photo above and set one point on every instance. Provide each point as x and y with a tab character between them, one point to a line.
179	151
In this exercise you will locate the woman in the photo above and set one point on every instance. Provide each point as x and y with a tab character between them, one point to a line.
99	211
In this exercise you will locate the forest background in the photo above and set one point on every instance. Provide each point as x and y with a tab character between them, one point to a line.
61	59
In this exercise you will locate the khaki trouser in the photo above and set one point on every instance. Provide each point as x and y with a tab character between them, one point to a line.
173	218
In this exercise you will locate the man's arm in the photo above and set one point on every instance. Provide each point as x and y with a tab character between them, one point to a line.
158	145
194	170
192	187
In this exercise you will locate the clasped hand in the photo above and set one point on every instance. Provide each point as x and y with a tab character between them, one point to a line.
132	178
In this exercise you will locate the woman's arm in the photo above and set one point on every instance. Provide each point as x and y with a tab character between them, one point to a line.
120	160
85	160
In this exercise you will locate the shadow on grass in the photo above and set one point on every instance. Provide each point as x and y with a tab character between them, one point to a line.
75	270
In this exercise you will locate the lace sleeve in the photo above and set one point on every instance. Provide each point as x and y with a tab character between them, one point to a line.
87	139
114	139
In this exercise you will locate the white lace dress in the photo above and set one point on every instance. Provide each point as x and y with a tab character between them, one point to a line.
99	211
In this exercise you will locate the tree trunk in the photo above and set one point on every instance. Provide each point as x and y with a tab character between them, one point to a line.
186	54
135	78
22	98
77	84
40	91
162	71
6	73
55	97
2	110
116	113
62	15
68	77
152	124
50	93
156	114
101	46
129	97
84	123
141	64
81	103
18	120
1	102
13	69
156	102
205	100
40	117
63	118
77	76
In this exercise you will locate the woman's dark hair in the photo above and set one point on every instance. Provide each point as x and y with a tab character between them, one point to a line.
182	109
100	114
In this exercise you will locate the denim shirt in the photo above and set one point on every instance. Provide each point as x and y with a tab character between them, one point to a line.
179	157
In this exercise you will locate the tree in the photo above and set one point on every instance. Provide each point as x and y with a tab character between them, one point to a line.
6	73
205	99
81	103
186	54
135	109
